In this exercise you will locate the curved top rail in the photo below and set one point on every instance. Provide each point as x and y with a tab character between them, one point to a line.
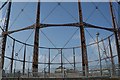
61	47
55	63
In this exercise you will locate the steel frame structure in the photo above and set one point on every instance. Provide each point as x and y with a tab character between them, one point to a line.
38	26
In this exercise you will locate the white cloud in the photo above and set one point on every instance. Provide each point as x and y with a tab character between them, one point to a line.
43	58
95	48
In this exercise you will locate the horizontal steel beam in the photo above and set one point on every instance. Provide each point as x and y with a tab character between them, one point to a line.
56	62
26	28
86	25
98	27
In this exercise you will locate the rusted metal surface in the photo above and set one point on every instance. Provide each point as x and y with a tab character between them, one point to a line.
74	58
61	60
115	32
86	25
49	62
83	42
36	41
11	67
24	59
111	55
5	29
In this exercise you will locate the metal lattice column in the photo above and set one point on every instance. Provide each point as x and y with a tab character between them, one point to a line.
83	42
12	57
115	33
5	29
36	41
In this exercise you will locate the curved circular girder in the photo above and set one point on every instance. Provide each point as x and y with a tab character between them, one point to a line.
58	48
52	62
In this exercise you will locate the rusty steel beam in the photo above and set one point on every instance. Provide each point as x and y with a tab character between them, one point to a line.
24	59
13	31
12	57
111	55
49	62
86	25
83	42
74	59
115	33
119	33
61	60
36	42
6	29
62	25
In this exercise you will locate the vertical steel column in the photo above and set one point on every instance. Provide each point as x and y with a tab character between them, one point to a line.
111	55
12	57
99	54
74	58
119	21
115	33
24	59
83	43
16	54
61	61
6	29
45	66
49	62
28	65
36	41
